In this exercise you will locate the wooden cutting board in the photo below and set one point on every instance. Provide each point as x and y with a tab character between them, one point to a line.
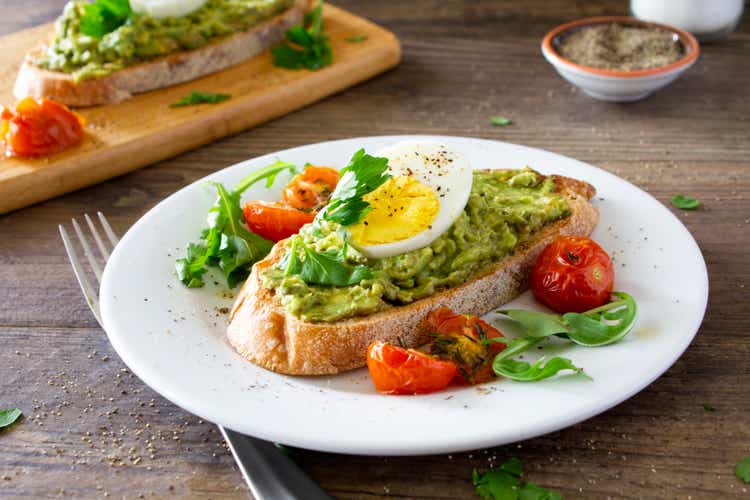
143	130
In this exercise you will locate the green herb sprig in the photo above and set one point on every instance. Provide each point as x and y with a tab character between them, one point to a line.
307	46
227	243
104	16
685	202
504	483
362	175
322	268
9	416
600	326
198	97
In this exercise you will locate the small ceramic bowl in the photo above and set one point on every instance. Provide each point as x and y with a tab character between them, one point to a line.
617	85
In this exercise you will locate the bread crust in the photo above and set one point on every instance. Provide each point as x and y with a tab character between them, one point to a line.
158	73
262	332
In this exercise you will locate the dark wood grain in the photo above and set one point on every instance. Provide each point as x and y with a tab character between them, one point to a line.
90	427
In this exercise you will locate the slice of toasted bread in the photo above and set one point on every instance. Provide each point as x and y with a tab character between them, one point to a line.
262	331
158	73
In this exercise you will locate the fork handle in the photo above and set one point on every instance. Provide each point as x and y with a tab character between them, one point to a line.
268	472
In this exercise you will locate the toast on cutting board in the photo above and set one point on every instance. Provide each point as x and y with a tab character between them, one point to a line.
264	333
171	69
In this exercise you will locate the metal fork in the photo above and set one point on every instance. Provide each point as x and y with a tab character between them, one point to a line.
268	472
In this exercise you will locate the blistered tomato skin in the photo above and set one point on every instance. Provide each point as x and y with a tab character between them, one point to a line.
311	189
573	274
36	129
395	370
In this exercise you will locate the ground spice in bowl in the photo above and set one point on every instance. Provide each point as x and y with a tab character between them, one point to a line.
615	46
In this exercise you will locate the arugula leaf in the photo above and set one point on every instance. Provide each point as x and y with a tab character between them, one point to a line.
356	39
362	175
685	202
500	121
323	268
537	324
587	329
227	243
104	16
523	371
504	483
8	416
197	97
742	470
310	47
603	325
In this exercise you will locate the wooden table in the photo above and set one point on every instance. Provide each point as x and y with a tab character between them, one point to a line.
92	429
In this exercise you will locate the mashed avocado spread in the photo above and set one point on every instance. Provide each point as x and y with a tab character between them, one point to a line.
504	208
143	37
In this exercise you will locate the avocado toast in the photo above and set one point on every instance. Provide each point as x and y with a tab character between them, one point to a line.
264	331
146	53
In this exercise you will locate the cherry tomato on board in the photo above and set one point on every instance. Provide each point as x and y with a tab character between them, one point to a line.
275	221
396	370
573	274
462	338
41	128
311	189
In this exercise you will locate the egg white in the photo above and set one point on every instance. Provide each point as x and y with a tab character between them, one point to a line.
445	171
166	8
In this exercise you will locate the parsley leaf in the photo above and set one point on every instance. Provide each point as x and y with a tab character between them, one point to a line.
685	202
709	407
356	39
362	175
504	483
500	121
323	268
227	243
8	417
197	97
742	470
310	47
104	16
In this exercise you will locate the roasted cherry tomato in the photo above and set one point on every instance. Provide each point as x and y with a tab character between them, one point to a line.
573	274
275	221
311	189
463	339
39	128
396	370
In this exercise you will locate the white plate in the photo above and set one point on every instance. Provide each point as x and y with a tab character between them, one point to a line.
173	337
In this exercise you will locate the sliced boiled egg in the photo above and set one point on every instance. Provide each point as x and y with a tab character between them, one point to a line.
428	190
166	8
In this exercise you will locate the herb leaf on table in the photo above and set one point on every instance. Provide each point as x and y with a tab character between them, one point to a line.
227	243
685	202
504	483
742	470
500	121
307	46
9	416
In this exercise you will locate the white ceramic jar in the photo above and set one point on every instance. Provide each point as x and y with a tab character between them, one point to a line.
706	19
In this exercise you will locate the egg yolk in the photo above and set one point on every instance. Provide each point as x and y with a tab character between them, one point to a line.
401	208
